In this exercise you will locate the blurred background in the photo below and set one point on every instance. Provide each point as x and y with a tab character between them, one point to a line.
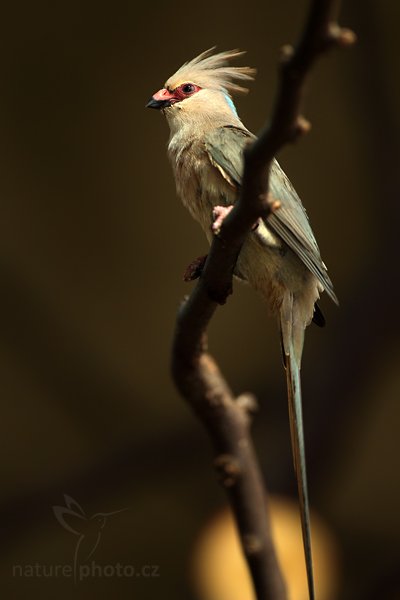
93	244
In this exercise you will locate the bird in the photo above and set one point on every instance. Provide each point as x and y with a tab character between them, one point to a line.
280	257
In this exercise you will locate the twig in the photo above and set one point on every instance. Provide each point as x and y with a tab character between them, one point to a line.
196	374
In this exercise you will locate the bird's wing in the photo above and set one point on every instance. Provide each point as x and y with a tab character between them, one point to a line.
224	147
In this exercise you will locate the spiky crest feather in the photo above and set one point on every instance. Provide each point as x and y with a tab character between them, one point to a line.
212	71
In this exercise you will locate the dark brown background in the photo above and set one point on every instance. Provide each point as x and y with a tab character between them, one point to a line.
93	242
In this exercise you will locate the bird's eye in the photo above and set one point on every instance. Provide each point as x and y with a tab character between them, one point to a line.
188	88
185	90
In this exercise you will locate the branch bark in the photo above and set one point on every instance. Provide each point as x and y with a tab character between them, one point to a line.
195	372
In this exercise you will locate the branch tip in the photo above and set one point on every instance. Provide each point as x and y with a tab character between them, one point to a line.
248	403
347	38
285	53
303	126
228	469
252	544
340	36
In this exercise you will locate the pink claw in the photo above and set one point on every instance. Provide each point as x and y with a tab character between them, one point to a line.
219	214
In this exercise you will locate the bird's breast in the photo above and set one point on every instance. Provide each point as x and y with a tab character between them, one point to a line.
199	185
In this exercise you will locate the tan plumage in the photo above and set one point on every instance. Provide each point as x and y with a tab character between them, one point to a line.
212	71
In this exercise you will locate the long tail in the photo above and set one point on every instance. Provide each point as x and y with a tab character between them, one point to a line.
292	344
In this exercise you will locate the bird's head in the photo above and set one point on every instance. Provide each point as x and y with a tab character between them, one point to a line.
200	90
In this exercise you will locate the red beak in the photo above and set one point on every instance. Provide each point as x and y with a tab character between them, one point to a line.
161	99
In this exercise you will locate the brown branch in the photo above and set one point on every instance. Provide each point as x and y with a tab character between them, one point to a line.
197	376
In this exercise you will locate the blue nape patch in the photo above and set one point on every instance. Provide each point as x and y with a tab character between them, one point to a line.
231	105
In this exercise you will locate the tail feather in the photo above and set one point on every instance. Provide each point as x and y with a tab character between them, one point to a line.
292	342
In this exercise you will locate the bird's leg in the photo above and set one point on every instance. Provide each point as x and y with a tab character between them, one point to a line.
195	269
219	214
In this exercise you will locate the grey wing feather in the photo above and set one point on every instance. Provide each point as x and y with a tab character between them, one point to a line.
291	223
224	147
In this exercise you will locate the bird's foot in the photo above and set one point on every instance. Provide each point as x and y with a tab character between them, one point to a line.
219	215
195	269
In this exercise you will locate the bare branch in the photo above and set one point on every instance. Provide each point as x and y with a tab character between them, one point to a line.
196	374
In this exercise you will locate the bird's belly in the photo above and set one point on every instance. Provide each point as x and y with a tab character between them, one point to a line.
262	266
273	271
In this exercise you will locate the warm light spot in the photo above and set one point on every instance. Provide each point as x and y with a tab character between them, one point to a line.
220	572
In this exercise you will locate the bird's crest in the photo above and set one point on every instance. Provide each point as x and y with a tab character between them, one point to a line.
210	70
